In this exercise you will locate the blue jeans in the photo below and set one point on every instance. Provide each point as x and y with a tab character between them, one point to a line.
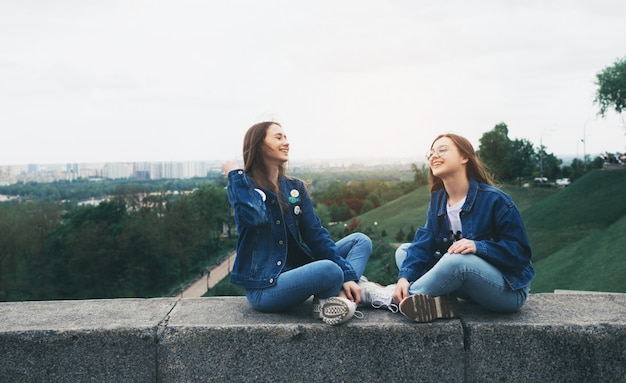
322	278
468	277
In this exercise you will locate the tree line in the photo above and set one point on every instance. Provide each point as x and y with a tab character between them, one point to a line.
135	244
84	188
515	160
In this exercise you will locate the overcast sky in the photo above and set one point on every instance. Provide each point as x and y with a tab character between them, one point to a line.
129	80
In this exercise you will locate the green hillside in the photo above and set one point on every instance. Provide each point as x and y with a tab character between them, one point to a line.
596	262
402	213
577	233
594	202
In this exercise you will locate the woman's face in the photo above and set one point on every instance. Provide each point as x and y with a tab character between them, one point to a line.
445	159
276	145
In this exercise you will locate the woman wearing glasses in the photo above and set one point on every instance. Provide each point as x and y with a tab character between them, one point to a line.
473	246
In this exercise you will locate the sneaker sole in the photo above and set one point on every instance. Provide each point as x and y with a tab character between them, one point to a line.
424	308
334	311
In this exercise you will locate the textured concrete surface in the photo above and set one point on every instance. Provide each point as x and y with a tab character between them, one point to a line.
80	341
555	337
228	341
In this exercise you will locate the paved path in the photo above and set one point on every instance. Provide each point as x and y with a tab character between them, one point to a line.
208	280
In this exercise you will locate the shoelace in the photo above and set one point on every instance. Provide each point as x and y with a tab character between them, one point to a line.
378	302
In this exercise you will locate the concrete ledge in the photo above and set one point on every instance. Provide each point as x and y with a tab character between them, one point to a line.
556	337
79	341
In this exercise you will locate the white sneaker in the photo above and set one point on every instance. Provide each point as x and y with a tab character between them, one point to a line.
378	296
334	310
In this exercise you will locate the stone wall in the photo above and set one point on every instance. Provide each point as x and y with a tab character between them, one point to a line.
554	338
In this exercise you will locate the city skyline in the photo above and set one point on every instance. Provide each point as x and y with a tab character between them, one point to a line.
11	174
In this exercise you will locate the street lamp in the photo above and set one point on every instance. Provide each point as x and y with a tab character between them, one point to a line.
584	141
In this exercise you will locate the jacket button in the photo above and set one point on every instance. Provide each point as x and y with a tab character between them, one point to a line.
445	239
279	263
271	280
280	242
240	172
278	221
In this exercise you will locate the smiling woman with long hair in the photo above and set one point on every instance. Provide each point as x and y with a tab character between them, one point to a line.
284	255
473	246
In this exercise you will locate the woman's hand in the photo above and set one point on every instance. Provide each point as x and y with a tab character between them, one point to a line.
229	165
402	290
463	246
352	291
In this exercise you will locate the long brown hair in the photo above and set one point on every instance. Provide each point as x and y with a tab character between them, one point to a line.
253	153
474	168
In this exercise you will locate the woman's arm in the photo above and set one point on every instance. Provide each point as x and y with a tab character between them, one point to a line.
248	203
509	247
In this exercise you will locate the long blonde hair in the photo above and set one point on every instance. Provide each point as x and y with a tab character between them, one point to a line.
474	168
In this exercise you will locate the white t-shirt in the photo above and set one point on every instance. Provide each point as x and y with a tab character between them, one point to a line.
454	217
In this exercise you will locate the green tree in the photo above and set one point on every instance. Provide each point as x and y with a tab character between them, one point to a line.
576	170
23	232
146	271
213	210
548	164
420	177
611	92
410	235
323	212
520	159
367	206
494	148
341	212
82	257
400	236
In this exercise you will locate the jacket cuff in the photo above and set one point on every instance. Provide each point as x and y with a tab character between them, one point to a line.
349	276
408	274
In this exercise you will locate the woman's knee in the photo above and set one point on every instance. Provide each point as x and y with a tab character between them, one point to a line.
400	254
326	267
455	264
456	258
361	239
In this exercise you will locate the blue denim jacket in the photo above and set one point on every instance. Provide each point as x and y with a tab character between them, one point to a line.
490	218
262	242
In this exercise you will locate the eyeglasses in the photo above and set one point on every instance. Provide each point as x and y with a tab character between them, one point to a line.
440	151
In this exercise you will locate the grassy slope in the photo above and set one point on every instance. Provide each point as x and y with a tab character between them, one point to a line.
596	262
594	202
402	213
577	233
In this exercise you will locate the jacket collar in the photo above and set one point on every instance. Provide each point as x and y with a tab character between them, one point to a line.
472	193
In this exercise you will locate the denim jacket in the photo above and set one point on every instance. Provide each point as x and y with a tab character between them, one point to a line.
262	242
490	218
